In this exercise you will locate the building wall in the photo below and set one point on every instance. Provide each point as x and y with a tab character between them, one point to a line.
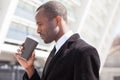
111	69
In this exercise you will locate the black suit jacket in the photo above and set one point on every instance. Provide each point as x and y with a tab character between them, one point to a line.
76	60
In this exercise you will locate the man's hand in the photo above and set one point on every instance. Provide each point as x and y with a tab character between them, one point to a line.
27	64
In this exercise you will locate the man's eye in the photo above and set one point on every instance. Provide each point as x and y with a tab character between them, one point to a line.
39	24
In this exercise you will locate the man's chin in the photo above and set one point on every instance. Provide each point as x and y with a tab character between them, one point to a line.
47	42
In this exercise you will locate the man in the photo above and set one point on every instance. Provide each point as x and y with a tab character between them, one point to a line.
73	58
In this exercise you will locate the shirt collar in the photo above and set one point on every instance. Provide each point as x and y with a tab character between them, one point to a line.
63	39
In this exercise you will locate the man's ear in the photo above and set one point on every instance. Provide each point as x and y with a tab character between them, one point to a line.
58	20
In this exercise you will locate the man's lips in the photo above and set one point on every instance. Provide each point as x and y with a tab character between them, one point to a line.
42	36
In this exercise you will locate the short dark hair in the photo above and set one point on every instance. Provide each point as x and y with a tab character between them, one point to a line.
53	9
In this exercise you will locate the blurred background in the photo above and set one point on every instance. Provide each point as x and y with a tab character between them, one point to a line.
97	21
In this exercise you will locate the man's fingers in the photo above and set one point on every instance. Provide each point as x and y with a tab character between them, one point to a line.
20	60
21	47
18	57
19	51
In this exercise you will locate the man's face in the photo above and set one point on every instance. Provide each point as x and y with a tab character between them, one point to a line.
46	28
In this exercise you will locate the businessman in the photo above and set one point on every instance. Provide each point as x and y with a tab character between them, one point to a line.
71	58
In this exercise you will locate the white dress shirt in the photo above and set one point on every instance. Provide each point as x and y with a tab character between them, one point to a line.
62	40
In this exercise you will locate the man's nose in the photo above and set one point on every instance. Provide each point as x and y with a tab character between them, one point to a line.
38	30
